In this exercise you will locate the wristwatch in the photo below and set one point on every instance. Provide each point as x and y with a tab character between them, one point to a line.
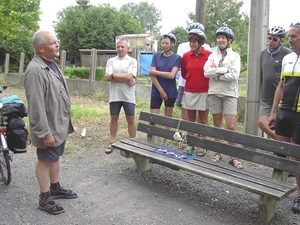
112	76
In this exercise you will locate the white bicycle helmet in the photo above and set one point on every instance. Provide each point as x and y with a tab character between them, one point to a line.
196	26
171	36
199	33
225	31
277	30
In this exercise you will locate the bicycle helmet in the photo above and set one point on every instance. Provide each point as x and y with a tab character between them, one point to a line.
277	30
225	31
199	33
196	26
171	36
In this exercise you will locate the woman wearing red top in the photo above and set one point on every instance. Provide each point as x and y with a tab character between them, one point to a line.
196	86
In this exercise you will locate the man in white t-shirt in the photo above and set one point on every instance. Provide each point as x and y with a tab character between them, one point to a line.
183	48
121	72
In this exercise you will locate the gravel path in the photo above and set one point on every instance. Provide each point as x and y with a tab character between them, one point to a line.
112	192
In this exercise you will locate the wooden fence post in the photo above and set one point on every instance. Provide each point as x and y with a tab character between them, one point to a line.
6	67
92	68
62	61
21	66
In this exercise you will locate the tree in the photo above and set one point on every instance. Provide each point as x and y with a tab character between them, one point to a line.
228	13
200	11
181	36
19	20
147	15
85	27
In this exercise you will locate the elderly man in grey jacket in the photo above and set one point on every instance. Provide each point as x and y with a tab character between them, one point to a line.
49	117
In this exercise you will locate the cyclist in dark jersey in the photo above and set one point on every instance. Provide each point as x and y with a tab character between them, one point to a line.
286	105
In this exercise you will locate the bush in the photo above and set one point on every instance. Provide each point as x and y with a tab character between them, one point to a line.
84	73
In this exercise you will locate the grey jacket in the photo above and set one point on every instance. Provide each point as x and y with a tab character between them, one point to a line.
48	104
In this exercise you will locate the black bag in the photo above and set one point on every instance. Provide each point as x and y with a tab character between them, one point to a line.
17	135
14	110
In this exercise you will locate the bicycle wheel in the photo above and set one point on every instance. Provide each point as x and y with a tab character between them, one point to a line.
5	167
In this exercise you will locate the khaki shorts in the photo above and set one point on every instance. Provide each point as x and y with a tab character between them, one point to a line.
226	105
195	101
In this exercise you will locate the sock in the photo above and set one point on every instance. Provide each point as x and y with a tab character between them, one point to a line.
55	186
45	195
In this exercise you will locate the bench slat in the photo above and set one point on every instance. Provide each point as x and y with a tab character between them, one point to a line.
221	147
217	171
231	136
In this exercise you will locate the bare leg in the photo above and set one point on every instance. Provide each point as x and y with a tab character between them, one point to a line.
184	114
131	126
42	172
113	127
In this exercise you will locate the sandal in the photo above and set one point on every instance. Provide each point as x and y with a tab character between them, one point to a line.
109	149
62	193
235	162
50	206
201	153
216	158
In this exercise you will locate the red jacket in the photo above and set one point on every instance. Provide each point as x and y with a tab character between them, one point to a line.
192	71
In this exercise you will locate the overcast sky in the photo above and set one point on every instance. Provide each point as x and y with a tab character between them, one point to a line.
175	12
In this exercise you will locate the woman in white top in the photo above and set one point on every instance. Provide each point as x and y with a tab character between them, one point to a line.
223	69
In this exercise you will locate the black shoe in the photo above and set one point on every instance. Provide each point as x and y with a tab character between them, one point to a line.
291	175
50	206
62	193
296	204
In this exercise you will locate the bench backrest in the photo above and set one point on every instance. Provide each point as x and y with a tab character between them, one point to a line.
249	147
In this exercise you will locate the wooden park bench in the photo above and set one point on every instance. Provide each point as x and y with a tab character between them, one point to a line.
267	191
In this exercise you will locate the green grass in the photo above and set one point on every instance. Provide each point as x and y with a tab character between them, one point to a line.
243	90
83	112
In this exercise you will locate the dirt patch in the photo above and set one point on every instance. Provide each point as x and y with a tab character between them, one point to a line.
112	192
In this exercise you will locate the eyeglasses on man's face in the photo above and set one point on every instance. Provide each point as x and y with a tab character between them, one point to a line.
53	43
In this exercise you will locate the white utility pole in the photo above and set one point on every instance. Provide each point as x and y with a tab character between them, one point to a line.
258	27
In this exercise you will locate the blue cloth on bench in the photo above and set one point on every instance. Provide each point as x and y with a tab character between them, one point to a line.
177	155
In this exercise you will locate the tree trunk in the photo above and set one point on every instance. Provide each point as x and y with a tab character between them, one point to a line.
200	11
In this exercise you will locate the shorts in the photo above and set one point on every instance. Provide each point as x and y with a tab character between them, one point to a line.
225	104
155	102
179	96
265	108
195	101
115	108
287	124
50	154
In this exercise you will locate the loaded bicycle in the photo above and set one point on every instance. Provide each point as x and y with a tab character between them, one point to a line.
13	132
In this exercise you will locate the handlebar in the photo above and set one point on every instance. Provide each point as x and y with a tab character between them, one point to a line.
2	88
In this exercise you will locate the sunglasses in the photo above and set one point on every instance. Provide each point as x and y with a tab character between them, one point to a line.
273	39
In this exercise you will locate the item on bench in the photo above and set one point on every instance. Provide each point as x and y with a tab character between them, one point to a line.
172	153
237	164
182	145
201	152
216	158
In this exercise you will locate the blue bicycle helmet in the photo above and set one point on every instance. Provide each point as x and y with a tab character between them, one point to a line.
199	33
196	26
171	36
225	31
277	30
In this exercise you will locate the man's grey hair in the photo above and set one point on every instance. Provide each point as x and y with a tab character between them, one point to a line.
39	38
123	39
